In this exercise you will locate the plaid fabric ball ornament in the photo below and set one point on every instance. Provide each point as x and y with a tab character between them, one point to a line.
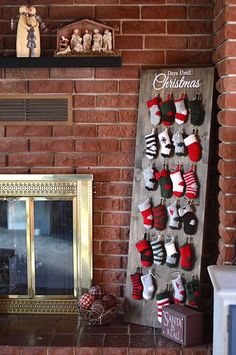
86	301
97	292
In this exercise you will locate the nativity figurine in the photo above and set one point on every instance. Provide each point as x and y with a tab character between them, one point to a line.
63	45
87	41
107	41
97	41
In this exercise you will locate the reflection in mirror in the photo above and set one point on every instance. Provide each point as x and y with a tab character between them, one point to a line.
13	251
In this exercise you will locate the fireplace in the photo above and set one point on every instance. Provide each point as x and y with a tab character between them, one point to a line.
45	242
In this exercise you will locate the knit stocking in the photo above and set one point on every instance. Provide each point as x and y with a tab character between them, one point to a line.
192	288
151	145
154	109
158	251
146	210
137	286
160	217
194	148
162	300
167	112
165	183
197	112
148	287
189	219
181	112
186	257
178	142
172	255
174	218
179	291
165	143
191	184
145	250
149	178
178	183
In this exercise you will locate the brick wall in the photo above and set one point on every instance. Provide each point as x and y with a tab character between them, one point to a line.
101	140
224	58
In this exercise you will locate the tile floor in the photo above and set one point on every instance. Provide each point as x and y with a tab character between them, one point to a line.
65	335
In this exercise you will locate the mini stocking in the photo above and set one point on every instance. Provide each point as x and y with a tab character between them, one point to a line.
151	145
194	148
186	257
197	112
162	300
146	210
144	247
181	111
167	112
148	287
160	217
191	184
179	291
178	141
137	286
192	288
165	182
154	109
196	286
149	178
165	142
178	183
172	256
158	251
189	219
174	221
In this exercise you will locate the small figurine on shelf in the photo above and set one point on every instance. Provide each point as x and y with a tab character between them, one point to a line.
97	41
87	41
28	35
76	41
63	46
107	41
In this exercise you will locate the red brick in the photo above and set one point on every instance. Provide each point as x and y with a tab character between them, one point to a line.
143	351
62	131
96	86
102	174
226	252
101	145
128	145
125	205
13	87
119	73
200	12
52	170
227	134
227	118
13	145
71	73
143	57
26	73
105	204
29	350
108	233
193	57
88	351
117	131
227	202
30	159
70	12
6	170
114	247
219	38
60	350
128	116
117	219
2	131
230	13
200	42
111	277
227	219
129	86
116	189
117	12
28	131
76	159
226	66
51	86
97	218
163	12
227	151
226	84
110	262
227	49
84	101
191	27
49	145
227	235
84	131
144	27
96	248
115	350
141	1
10	350
166	42
121	101
89	2
95	116
129	42
227	168
227	185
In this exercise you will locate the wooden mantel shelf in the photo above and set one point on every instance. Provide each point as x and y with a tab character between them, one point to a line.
60	62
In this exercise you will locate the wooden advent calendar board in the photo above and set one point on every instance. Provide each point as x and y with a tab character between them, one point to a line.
153	82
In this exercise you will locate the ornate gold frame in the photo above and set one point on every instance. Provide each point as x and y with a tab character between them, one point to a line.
78	188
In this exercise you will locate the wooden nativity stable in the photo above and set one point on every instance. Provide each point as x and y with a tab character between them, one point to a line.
89	25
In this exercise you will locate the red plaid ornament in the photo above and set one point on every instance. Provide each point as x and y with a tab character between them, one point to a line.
97	292
86	301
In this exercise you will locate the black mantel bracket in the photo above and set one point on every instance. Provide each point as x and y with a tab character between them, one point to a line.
61	62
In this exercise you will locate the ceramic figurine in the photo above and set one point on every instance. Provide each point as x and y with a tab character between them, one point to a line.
79	47
87	41
63	45
107	41
97	41
75	39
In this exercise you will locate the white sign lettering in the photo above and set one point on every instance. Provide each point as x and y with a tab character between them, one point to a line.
169	80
